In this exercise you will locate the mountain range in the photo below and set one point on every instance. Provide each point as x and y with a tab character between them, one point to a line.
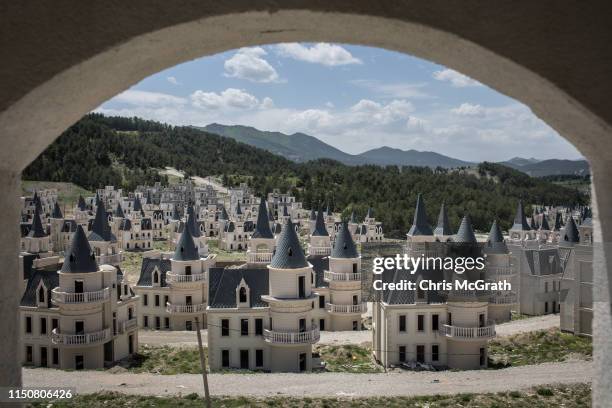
300	147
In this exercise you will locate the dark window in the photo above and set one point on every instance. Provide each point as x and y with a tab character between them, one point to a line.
355	325
244	327
449	319
157	300
434	322
157	322
244	359
301	287
420	354
481	320
188	270
225	362
43	356
242	294
79	362
258	327
258	358
29	356
355	300
188	325
41	295
155	277
302	361
28	325
55	357
402	354
545	307
166	322
78	286
354	268
321	302
145	300
54	324
43	325
302	325
322	324
79	327
482	356
130	313
402	323
146	321
166	300
130	344
435	352
225	327
188	300
421	322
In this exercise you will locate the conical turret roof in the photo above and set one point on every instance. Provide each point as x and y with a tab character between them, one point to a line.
57	212
544	226
238	208
100	230
119	211
370	213
175	213
79	258
465	234
137	204
443	227
320	230
558	221
81	204
288	253
262	228
186	249
570	234
495	242
520	221
37	230
353	219
344	247
223	215
420	226
192	223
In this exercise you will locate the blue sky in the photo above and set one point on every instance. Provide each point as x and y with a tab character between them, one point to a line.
354	98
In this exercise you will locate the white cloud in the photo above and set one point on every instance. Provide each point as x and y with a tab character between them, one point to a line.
401	90
173	80
145	98
468	109
249	64
455	78
368	110
266	103
230	98
320	53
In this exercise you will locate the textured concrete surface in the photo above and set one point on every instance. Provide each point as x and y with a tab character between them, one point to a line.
63	59
319	385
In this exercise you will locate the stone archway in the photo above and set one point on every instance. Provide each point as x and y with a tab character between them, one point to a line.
62	60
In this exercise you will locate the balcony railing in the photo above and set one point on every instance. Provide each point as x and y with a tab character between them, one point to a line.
129	325
179	278
319	250
348	309
503	299
306	337
468	333
80	339
259	257
109	259
84	297
199	308
337	276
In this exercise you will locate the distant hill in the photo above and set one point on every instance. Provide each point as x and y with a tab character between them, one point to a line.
521	161
552	167
300	147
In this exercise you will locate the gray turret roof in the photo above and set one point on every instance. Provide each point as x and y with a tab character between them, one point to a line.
79	258
320	230
420	226
443	227
344	247
587	219
270	214
570	233
137	204
186	249
224	281
370	213
544	226
353	219
285	211
495	243
57	212
119	211
520	221
223	215
288	253
192	223
175	213
37	230
238	208
100	230
81	204
465	234
558	221
262	229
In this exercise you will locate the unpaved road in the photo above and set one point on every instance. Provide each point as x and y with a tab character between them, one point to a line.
188	338
317	385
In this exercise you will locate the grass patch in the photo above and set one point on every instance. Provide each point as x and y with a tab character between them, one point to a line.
164	360
572	396
518	316
131	264
67	193
164	245
348	358
222	254
538	347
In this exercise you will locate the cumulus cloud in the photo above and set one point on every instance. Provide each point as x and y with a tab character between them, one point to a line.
455	78
230	98
468	109
173	80
146	98
402	90
249	64
320	53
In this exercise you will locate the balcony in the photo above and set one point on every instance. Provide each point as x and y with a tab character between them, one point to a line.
306	337
109	259
128	325
468	333
76	298
347	309
175	278
503	299
259	257
324	251
84	339
341	277
185	309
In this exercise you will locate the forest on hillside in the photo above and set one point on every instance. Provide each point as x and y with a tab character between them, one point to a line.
125	152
